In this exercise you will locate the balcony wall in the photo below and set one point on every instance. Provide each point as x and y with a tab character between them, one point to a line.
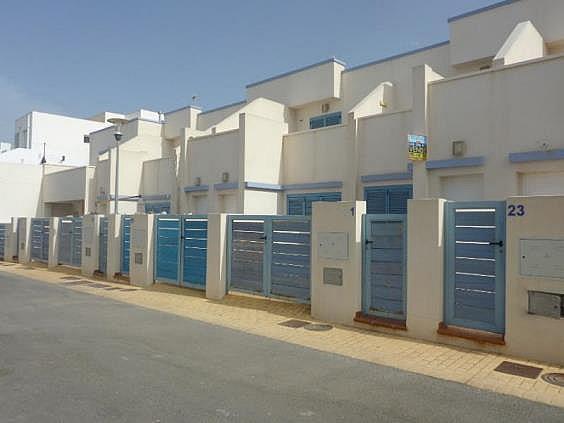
318	155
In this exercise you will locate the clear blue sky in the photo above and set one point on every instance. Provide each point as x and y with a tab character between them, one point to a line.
81	57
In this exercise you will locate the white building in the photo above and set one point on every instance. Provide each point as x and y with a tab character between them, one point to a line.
61	137
328	132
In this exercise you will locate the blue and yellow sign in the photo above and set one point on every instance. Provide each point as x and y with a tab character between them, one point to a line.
417	147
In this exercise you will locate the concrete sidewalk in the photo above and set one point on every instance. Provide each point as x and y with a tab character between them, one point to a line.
262	317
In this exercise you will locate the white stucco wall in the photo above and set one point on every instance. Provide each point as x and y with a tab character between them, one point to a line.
469	44
158	176
314	83
514	109
318	155
67	185
20	187
382	143
62	135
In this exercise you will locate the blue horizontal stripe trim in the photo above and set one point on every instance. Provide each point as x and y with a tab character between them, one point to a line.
282	75
314	185
156	197
124	197
226	186
386	177
196	188
259	186
536	156
483	9
397	56
445	164
237	103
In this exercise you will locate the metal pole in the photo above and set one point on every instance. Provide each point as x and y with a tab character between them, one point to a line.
116	190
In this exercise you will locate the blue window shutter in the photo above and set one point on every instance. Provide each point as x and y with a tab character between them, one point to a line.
325	120
333	119
296	206
316	122
376	200
397	199
301	204
388	199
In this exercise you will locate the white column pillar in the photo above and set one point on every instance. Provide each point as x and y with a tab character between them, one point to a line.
336	260
53	260
216	272
141	258
114	246
11	247
425	264
24	236
90	244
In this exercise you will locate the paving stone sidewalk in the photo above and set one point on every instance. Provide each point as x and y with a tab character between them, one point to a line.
262	317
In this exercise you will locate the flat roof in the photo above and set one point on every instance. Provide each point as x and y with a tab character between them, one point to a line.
482	9
282	75
237	103
397	56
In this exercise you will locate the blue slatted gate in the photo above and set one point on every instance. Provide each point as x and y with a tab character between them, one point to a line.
125	244
181	250
475	265
3	238
103	246
385	264
40	240
70	241
270	255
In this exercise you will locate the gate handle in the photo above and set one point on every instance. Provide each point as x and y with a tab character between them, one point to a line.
263	237
499	243
368	242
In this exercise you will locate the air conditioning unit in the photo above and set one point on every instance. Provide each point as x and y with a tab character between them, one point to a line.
197	181
225	177
325	107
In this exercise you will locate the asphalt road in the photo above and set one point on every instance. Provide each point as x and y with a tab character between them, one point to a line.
66	356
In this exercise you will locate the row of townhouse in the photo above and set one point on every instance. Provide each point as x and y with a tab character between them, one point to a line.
221	198
490	101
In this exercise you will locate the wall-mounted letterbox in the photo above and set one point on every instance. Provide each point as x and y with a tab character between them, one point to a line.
542	258
545	304
334	245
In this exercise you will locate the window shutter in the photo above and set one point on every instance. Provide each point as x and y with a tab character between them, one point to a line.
397	199
376	200
296	206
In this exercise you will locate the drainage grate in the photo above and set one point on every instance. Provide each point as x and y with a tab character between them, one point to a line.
294	323
318	327
517	369
128	289
113	288
556	379
70	278
83	282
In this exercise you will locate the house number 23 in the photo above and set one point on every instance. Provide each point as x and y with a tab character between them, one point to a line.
516	210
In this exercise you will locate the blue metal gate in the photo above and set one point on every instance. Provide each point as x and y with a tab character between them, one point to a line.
475	265
270	255
70	241
181	250
384	288
3	239
40	239
103	246
125	244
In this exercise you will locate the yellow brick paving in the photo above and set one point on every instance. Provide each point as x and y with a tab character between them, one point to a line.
261	317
